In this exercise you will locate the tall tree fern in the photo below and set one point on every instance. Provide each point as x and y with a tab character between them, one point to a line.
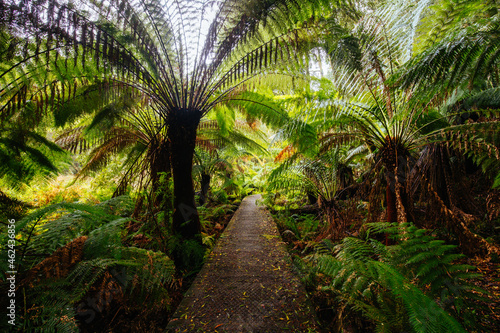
171	52
394	122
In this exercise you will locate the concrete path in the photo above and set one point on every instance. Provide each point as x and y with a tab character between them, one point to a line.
247	284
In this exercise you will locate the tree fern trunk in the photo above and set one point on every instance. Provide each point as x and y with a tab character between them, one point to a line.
182	125
394	172
205	186
334	227
395	188
390	196
313	199
389	159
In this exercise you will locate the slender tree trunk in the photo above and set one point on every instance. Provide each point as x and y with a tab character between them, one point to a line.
395	170
391	202
390	196
182	126
397	213
334	223
205	186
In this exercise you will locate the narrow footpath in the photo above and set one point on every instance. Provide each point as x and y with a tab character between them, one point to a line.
247	283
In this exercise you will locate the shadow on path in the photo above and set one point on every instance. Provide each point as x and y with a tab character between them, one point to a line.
247	284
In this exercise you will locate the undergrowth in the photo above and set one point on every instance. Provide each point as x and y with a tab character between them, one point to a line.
85	267
413	285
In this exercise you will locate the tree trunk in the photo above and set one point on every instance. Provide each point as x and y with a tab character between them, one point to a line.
334	228
390	197
312	198
396	165
205	186
182	126
389	158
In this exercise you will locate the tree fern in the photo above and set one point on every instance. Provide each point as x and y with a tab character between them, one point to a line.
51	312
167	52
275	115
369	103
464	61
413	284
24	150
97	266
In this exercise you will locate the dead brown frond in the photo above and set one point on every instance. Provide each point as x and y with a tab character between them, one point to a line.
286	153
58	265
493	205
119	138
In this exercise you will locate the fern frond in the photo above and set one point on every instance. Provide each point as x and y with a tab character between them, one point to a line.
410	284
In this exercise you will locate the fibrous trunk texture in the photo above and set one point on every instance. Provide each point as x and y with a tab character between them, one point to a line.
397	201
205	186
334	228
182	125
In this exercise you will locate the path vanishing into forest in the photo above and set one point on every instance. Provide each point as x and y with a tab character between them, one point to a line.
247	283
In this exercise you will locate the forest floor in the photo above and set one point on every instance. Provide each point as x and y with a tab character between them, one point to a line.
247	283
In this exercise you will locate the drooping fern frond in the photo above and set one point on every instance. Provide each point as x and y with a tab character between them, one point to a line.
52	312
52	227
54	234
273	114
96	267
461	61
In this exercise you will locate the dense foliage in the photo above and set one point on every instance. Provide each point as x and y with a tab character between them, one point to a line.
131	129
